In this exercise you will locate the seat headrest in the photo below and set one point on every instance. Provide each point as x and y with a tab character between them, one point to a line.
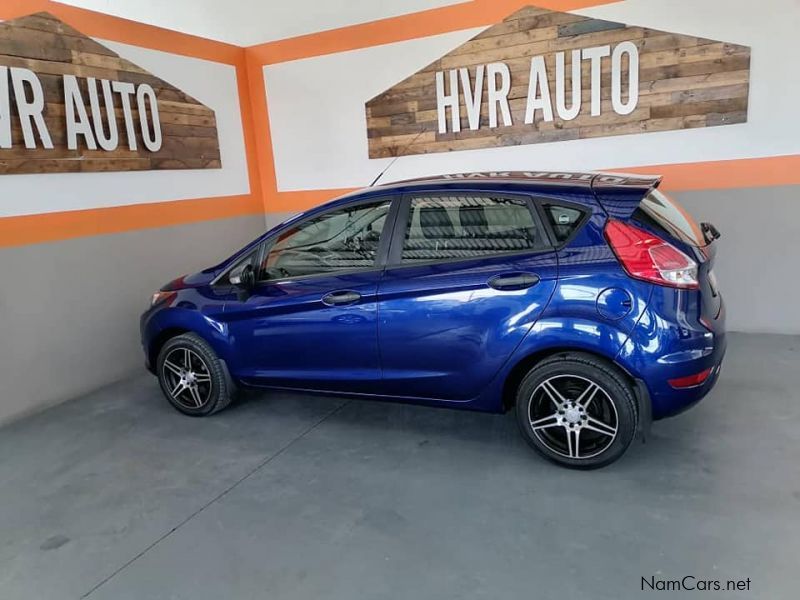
435	223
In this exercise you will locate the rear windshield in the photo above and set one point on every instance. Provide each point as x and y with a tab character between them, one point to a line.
662	212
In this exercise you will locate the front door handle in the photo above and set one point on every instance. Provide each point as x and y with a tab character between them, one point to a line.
513	281
341	298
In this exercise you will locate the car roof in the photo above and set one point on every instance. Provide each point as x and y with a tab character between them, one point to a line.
539	180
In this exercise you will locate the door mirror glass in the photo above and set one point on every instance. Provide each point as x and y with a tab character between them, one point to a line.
243	276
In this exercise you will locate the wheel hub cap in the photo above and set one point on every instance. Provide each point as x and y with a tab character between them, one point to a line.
187	378
572	415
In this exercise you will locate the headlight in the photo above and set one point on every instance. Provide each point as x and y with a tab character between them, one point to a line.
160	297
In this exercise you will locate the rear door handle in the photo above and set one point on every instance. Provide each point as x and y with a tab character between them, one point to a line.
341	298
513	281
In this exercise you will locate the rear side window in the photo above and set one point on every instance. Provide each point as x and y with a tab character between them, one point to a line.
563	220
664	213
464	226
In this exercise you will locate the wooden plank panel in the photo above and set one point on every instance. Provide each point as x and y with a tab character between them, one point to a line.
52	49
113	63
530	36
588	26
684	82
47	67
32	165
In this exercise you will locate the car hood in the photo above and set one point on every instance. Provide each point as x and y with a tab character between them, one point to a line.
189	281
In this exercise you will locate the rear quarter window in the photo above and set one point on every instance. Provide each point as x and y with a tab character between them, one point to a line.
564	220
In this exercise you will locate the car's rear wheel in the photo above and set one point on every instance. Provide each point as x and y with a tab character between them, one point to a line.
192	377
577	411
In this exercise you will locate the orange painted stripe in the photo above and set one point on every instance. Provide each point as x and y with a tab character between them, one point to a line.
125	31
715	175
726	174
478	13
48	227
31	229
257	97
249	132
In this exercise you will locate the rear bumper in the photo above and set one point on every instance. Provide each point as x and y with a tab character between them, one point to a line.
670	402
668	343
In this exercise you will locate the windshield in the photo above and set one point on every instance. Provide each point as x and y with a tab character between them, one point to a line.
667	214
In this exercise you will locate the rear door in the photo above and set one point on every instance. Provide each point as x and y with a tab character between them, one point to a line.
467	276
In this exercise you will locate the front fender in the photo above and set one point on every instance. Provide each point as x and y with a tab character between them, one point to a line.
156	322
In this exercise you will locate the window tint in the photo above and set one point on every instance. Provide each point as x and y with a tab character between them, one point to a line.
341	240
449	227
668	215
563	220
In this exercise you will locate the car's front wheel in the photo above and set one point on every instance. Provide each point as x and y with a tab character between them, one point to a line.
577	411
192	377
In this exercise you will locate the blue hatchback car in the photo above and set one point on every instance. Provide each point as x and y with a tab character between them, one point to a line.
586	302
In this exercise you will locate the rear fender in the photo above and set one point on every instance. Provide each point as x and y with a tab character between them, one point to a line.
572	322
549	336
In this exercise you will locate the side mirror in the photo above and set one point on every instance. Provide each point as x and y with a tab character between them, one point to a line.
244	278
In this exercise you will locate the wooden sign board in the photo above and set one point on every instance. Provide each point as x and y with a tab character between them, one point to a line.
544	76
69	104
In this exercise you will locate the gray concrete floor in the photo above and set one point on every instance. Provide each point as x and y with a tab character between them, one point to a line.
115	495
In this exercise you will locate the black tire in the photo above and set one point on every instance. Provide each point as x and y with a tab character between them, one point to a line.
207	375
612	406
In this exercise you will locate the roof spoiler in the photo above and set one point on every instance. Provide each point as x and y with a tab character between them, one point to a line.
619	194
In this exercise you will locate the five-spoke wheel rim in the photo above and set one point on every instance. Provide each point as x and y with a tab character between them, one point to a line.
573	416
187	378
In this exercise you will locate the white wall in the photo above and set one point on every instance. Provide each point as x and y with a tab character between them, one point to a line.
250	22
319	126
211	83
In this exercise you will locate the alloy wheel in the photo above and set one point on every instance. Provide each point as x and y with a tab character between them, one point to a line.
573	416
187	377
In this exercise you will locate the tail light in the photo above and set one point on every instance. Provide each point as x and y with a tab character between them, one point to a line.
646	256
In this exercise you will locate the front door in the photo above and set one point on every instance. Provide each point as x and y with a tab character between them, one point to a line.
311	321
473	273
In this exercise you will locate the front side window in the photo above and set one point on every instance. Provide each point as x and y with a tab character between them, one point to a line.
465	226
345	239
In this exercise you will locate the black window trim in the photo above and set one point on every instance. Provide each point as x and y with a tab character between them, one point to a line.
404	211
586	213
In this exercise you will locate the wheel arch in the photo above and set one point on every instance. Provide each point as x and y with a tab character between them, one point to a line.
161	338
524	364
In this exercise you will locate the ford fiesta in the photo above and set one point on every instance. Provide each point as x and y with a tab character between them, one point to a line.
585	302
